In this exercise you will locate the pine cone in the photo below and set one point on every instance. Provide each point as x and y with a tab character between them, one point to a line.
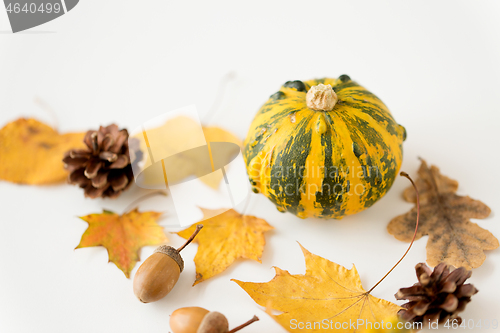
104	168
438	296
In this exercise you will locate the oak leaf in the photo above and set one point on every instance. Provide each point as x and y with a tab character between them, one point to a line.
31	152
123	235
226	237
329	295
444	216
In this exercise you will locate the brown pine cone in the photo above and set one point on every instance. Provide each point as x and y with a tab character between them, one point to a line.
438	296
104	168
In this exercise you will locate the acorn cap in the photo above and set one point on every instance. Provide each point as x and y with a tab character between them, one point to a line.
213	322
172	253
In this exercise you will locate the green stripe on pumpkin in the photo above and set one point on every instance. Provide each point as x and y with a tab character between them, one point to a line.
288	167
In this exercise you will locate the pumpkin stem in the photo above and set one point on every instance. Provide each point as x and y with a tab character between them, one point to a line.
321	98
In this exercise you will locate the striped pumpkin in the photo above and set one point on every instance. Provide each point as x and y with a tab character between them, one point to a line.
325	164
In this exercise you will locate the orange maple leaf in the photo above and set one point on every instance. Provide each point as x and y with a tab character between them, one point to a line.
123	235
226	236
328	297
31	152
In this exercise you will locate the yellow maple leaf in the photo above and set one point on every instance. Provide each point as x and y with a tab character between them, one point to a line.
122	235
226	237
184	160
328	297
31	152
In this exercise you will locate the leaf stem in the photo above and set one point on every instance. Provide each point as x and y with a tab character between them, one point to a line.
255	318
404	174
139	200
221	90
247	201
50	111
190	239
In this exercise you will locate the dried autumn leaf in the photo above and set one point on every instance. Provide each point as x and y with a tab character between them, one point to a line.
31	152
327	294
226	237
453	239
123	235
217	134
184	160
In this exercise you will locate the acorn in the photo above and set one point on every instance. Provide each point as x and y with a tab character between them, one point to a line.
187	320
159	273
199	320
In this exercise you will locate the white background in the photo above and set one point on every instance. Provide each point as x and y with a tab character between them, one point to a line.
435	64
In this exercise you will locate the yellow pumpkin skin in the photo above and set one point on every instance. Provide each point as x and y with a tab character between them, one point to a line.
325	164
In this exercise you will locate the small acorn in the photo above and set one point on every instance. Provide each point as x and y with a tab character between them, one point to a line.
213	322
159	273
199	320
